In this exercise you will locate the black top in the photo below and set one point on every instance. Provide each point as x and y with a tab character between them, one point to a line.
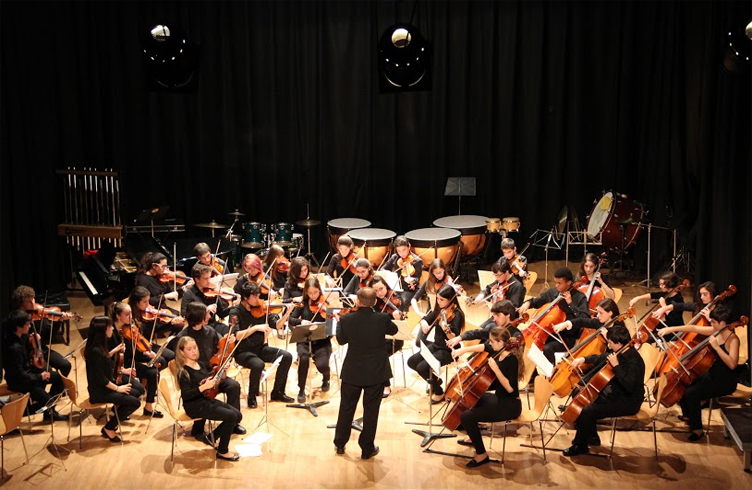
194	294
244	279
515	291
336	266
354	285
391	265
19	373
190	379
156	288
456	325
579	323
244	319
484	330
673	318
366	362
578	308
99	372
627	383
206	339
509	368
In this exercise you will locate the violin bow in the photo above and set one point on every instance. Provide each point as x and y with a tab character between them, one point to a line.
133	349
49	350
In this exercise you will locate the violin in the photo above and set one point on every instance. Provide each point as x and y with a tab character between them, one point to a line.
407	269
364	282
391	304
262	308
53	313
132	334
318	305
118	371
518	266
212	292
217	266
164	315
224	346
283	265
348	263
37	355
264	284
173	276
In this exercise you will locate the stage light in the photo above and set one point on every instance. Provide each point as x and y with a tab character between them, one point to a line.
738	50
404	59
171	61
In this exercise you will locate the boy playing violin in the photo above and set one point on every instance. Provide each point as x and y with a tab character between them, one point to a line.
517	262
218	307
507	286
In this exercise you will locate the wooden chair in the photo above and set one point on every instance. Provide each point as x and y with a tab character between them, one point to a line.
617	294
11	415
647	414
178	414
524	383
650	356
85	405
529	281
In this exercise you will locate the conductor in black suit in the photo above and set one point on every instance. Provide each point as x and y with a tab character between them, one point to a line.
366	368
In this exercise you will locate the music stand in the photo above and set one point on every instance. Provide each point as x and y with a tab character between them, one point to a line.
151	215
49	407
460	186
265	380
434	368
545	240
308	333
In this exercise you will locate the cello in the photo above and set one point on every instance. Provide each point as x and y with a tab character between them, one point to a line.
537	331
645	331
593	293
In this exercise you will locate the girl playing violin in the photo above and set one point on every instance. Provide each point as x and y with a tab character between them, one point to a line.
437	277
254	272
134	360
363	274
408	266
517	262
278	273
152	274
509	367
140	308
387	302
312	310
447	321
204	256
217	306
300	271
717	381
342	264
506	286
103	386
194	380
588	269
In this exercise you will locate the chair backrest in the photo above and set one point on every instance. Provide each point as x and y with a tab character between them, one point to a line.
70	388
529	281
543	391
743	347
650	356
12	413
173	368
166	397
617	294
662	382
529	370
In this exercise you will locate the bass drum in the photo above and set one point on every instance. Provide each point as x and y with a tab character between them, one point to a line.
432	243
473	230
338	227
377	243
611	211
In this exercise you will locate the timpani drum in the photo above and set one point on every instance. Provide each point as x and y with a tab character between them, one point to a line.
431	243
609	213
471	227
340	226
511	223
377	243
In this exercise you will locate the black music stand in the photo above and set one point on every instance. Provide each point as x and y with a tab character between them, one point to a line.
308	333
460	186
49	408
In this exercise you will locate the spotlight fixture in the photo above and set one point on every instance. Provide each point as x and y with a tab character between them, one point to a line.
171	61
404	59
738	50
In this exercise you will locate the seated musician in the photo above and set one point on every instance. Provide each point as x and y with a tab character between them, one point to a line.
149	275
23	299
517	262
705	294
300	271
573	304
437	277
622	395
218	307
21	374
254	272
507	286
606	311
717	381
447	306
387	301
253	350
135	355
668	295
407	265
204	256
344	255
509	368
588	270
312	310
363	274
207	340
194	381
104	386
140	310
501	316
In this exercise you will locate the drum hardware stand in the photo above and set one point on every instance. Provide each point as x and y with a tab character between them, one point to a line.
310	256
547	237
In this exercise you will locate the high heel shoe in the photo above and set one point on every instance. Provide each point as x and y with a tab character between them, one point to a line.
111	439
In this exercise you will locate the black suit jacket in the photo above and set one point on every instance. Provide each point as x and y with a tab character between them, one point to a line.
367	362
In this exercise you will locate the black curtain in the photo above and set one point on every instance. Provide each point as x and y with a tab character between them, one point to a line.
546	104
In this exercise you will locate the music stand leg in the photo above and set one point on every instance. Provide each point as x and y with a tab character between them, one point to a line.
312	406
429	436
54	444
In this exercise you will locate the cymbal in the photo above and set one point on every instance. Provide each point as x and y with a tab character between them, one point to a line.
308	223
214	225
236	213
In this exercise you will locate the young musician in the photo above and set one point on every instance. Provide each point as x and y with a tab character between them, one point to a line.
139	303
606	311
23	299
447	321
506	286
587	271
622	395
194	381
366	368
150	274
437	277
344	256
387	301
363	274
100	372
207	340
706	292
717	381
218	307
22	376
204	256
668	295
501	316
408	266
300	271
278	272
135	362
573	304
253	350
509	368
254	272
312	310
518	263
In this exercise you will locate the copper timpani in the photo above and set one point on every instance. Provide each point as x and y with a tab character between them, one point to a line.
472	229
431	243
372	243
340	226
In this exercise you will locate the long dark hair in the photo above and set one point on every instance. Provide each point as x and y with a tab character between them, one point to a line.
98	334
149	259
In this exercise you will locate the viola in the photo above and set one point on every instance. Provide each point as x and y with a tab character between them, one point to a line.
53	313
317	305
133	335
212	292
264	284
517	265
283	265
218	373
37	355
364	282
262	308
163	315
392	303
348	263
217	266
118	371
169	276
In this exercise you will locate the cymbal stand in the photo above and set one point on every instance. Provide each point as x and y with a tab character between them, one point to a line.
310	256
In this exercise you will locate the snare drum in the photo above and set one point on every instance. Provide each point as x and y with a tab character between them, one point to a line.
471	227
377	243
297	242
254	235
282	234
340	226
611	211
493	225
432	243
511	223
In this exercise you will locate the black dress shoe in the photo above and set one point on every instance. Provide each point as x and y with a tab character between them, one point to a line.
156	414
576	449
463	442
340	449
694	436
474	464
281	397
205	438
233	457
594	441
57	417
325	385
252	403
371	454
240	430
111	439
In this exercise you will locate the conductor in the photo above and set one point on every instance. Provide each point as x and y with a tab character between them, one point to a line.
366	368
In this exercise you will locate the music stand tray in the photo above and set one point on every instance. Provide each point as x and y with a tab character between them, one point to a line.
309	333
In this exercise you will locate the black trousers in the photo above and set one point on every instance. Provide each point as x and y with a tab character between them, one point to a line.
322	351
371	406
125	403
38	390
392	347
255	362
553	346
216	410
417	363
231	389
489	408
151	376
59	362
600	409
704	387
